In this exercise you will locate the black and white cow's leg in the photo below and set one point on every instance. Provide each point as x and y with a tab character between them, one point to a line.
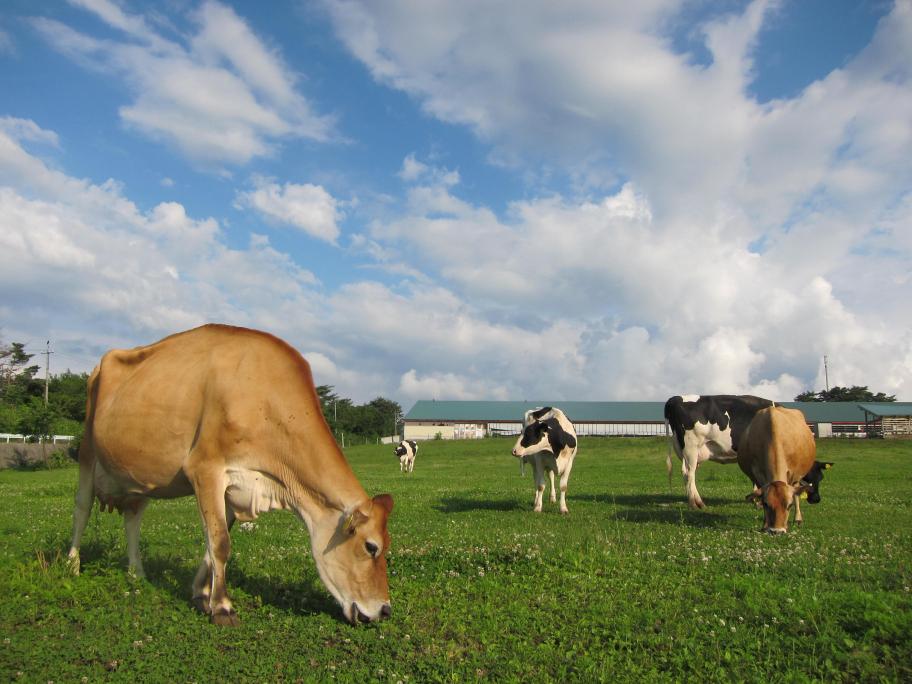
539	471
132	519
564	478
553	497
690	461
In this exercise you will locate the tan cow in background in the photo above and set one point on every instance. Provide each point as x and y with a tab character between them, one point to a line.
229	415
777	450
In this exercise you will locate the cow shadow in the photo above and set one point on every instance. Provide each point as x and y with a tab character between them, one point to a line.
661	508
459	504
250	591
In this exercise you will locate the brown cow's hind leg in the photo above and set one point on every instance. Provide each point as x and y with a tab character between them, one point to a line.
210	497
85	495
202	583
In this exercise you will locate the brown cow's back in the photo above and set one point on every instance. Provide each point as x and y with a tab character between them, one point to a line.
243	395
777	446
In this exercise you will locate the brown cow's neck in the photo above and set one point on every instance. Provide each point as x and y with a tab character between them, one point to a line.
331	483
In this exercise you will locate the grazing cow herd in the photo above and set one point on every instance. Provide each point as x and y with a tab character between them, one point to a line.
231	416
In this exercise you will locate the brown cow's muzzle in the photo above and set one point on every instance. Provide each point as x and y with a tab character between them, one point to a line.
357	615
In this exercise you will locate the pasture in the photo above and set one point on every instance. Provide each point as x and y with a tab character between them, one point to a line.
631	586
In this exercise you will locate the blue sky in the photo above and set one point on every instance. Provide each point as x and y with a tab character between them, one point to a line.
584	200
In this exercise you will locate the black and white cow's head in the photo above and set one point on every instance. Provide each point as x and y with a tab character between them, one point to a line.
405	446
543	435
812	480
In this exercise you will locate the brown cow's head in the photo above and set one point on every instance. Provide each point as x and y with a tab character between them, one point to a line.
778	498
352	561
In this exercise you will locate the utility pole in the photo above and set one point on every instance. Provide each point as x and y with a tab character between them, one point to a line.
826	373
47	370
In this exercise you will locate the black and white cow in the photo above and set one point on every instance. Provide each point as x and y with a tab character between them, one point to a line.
549	443
707	428
406	451
812	480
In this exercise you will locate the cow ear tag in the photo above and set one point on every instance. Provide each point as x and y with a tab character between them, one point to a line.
349	525
353	520
804	495
828	466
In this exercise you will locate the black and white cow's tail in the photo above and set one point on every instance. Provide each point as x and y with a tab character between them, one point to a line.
668	463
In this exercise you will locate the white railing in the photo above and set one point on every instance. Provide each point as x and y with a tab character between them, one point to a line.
10	437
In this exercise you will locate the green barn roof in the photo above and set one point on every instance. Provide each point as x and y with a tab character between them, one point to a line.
888	408
626	411
512	411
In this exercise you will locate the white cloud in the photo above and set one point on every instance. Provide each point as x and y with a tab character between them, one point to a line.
26	130
309	208
663	281
87	254
224	97
412	169
6	43
744	242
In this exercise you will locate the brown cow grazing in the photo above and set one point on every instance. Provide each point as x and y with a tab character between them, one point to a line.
777	450
229	415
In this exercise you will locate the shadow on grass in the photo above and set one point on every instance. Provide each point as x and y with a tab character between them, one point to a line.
249	591
458	504
663	508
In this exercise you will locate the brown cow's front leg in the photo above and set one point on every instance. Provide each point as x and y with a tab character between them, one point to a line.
132	518
210	497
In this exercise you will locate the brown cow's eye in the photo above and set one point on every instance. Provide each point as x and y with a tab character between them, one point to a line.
372	548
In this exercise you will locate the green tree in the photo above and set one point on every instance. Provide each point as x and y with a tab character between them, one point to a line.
855	393
67	391
377	418
17	379
387	414
38	419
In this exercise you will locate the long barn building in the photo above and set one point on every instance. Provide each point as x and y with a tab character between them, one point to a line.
474	419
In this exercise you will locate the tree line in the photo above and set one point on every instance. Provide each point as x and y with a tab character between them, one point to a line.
358	423
22	406
23	409
857	393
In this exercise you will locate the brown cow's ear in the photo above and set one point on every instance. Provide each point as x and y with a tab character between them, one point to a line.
352	521
385	501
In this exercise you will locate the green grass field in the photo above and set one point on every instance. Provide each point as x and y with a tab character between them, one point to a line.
631	586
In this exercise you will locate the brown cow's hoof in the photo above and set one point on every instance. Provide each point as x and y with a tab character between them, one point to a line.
201	603
225	619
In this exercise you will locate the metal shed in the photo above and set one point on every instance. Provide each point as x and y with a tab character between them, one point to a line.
888	419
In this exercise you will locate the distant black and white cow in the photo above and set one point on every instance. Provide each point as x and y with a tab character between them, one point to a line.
707	428
406	451
549	442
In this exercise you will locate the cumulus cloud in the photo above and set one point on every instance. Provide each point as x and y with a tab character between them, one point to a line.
222	96
717	244
87	253
748	240
309	208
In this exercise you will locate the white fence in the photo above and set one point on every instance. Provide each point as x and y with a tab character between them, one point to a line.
8	437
